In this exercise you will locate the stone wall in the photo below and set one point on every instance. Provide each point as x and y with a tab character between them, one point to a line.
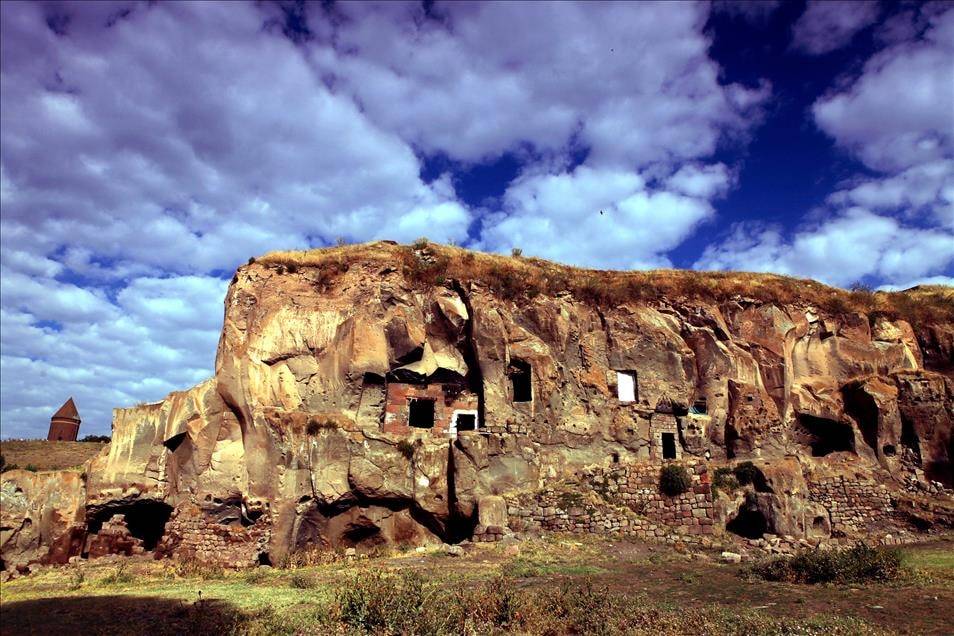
629	504
113	538
853	505
191	535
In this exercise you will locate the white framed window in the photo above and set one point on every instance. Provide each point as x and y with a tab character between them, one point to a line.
626	386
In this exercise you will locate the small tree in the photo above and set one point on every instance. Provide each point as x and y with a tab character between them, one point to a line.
674	480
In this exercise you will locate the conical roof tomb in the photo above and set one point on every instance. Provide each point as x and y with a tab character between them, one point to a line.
68	410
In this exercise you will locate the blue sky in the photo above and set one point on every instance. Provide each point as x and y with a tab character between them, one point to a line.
149	149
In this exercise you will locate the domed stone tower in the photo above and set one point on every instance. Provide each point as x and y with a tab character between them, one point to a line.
65	423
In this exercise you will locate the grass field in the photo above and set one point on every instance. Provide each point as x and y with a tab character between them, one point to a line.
44	455
557	585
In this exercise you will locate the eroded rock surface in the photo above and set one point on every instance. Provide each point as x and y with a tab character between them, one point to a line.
353	406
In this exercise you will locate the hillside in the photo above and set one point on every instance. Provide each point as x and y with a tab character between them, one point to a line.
383	395
46	455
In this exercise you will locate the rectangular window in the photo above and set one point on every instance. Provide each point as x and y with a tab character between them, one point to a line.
669	445
699	407
466	422
421	413
626	386
521	381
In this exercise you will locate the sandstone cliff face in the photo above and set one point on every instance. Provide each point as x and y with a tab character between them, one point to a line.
344	395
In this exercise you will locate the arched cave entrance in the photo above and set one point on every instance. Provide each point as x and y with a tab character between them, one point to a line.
749	522
145	518
824	435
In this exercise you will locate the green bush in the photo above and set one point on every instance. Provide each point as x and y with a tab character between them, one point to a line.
724	479
748	473
32	468
97	438
302	581
858	564
674	480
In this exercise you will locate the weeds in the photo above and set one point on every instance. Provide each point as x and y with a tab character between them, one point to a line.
724	479
120	576
427	264
302	581
858	564
406	449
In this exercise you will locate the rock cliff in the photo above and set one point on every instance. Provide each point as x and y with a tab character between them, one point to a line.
385	394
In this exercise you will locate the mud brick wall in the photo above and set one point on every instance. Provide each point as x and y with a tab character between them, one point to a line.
191	536
853	505
633	506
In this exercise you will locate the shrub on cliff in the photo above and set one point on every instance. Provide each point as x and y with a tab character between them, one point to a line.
724	479
858	564
748	473
674	480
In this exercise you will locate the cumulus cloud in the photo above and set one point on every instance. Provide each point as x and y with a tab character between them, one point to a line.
595	217
900	111
841	250
895	223
631	83
629	87
828	25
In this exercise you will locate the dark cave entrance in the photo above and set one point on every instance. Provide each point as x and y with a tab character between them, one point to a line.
145	518
863	409
749	522
521	382
910	439
824	436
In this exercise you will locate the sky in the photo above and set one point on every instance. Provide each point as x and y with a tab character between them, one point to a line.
148	149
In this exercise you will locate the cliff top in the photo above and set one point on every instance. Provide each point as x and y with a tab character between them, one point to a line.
513	277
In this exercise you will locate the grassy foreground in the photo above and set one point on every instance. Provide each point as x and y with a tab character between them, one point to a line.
554	586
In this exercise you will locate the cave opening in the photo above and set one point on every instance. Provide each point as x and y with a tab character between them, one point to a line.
749	522
824	435
909	439
145	519
362	533
864	410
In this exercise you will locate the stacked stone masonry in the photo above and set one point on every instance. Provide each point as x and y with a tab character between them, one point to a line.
634	506
852	505
191	535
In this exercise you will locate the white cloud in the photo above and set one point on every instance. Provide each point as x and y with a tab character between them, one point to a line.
930	280
900	112
595	217
828	25
841	250
925	191
632	83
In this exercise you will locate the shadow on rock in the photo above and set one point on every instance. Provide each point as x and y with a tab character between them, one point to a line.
119	615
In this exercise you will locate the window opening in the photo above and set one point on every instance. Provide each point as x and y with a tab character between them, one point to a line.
421	413
626	386
669	445
466	422
521	381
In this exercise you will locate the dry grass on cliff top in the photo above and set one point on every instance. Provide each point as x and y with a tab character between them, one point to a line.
44	455
514	277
